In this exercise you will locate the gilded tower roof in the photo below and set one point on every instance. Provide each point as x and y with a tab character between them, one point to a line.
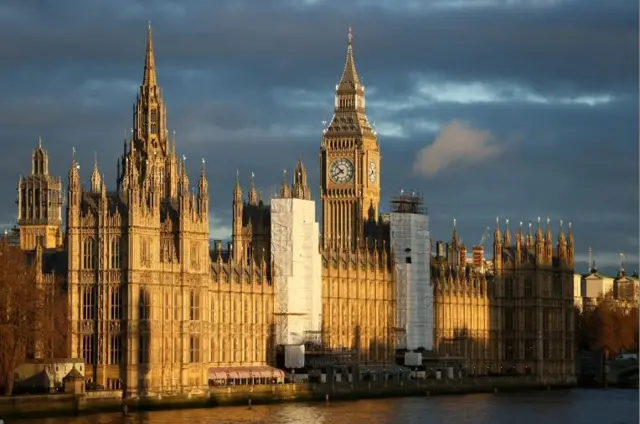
349	79
349	117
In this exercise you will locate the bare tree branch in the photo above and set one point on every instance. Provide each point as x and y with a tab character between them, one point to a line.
33	322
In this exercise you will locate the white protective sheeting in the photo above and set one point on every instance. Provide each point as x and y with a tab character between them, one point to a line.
298	273
411	243
294	356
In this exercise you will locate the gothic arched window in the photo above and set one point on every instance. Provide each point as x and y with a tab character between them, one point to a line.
115	253
88	260
154	121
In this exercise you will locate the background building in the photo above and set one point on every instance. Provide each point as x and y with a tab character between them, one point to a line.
590	287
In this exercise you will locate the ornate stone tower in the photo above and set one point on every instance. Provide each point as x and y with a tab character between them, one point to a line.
349	164
150	139
40	204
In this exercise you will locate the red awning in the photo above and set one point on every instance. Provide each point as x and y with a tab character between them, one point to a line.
224	373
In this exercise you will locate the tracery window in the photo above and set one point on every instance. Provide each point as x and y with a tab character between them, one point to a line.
176	306
88	300
194	349
194	306
212	310
116	303
145	304
115	349
528	287
115	253
87	349
154	121
88	260
194	256
509	349
145	252
508	287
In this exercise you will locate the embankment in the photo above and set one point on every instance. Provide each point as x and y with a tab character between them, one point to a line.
92	402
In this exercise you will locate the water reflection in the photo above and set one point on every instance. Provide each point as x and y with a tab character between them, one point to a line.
575	407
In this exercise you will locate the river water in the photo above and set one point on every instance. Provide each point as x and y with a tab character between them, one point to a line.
563	407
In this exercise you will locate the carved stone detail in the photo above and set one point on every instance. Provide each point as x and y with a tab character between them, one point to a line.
86	326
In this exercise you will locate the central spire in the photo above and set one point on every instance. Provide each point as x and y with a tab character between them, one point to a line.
149	76
149	120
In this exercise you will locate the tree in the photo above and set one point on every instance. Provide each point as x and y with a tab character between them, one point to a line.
32	316
610	326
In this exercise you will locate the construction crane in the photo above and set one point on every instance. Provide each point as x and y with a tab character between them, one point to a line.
484	236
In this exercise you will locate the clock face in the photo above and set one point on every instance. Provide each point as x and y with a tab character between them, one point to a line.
341	171
372	171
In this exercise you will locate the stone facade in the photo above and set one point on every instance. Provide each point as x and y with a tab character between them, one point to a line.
514	313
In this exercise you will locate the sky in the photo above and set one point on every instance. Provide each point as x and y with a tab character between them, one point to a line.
490	108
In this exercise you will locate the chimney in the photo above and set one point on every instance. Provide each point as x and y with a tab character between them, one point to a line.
463	256
478	257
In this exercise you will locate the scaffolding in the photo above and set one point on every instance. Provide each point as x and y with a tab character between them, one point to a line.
411	244
408	201
297	276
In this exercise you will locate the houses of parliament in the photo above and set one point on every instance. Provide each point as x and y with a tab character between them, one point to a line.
153	307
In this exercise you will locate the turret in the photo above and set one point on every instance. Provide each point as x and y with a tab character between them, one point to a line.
203	193
540	253
300	189
40	160
497	248
184	180
253	193
39	200
171	171
74	191
548	244
237	221
562	246
285	190
507	234
95	176
519	244
570	247
454	258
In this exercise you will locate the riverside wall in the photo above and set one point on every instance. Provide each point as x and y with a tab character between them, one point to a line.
104	401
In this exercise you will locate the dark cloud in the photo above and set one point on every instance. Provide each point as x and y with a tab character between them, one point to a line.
248	84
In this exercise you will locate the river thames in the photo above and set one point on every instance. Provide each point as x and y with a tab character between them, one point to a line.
564	407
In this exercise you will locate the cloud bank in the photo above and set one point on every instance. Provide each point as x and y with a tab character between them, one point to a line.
457	145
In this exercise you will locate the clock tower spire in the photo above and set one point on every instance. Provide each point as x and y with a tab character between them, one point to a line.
349	163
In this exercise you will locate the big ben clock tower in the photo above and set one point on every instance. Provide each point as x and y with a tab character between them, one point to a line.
349	164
